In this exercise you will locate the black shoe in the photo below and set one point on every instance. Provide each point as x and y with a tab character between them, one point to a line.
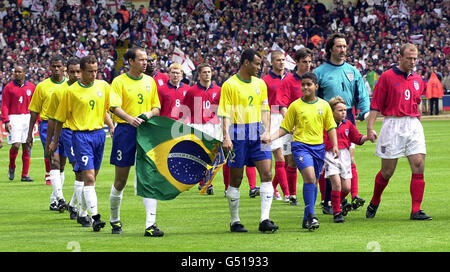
73	212
304	224
237	227
371	210
153	231
254	192
339	218
62	205
11	173
293	200
54	206
267	225
420	215
312	222
327	208
116	227
357	202
210	190
98	224
85	221
26	179
346	207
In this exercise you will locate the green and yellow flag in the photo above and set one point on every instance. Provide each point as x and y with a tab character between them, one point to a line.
172	157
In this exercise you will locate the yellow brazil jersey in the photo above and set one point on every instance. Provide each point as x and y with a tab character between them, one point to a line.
41	96
309	120
84	107
133	95
243	101
55	100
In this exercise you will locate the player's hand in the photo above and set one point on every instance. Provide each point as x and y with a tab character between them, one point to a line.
362	116
51	149
136	121
8	127
336	152
227	146
265	137
372	135
29	141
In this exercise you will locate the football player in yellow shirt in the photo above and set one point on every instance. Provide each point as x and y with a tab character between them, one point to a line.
132	94
308	117
243	105
84	107
38	105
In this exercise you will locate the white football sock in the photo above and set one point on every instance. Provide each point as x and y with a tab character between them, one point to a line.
55	178
115	198
233	195
91	199
78	190
63	178
266	193
150	211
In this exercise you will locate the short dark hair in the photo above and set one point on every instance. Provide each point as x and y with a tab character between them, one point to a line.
330	43
311	76
90	59
302	53
73	61
131	53
248	54
203	65
56	58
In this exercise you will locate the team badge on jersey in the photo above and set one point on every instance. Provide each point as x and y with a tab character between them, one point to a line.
100	94
160	82
320	111
28	92
350	75
416	85
346	132
148	88
214	95
258	92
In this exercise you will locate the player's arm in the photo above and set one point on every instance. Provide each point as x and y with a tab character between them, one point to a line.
371	133
54	143
332	135
5	109
265	118
363	95
227	143
109	123
50	133
33	118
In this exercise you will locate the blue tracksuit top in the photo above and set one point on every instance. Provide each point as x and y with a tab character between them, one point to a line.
343	80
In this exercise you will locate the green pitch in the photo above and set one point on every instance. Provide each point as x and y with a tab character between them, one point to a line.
194	222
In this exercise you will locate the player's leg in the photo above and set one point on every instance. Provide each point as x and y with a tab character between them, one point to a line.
43	136
26	157
291	176
417	186
381	181
336	189
266	192
55	178
115	197
234	195
280	175
13	151
151	230
356	200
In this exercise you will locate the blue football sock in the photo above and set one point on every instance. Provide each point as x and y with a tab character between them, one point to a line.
309	191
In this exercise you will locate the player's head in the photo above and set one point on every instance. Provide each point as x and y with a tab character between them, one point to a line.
57	67
175	73
204	73
89	68
137	60
250	62
408	57
339	108
336	48
19	73
303	60
309	84
73	69
151	64
278	60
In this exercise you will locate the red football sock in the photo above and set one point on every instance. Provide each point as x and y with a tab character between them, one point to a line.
47	165
12	157
322	186
291	176
336	201
380	184
281	177
251	175
226	175
354	186
26	162
417	188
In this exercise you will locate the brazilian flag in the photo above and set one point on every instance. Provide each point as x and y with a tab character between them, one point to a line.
172	157
372	78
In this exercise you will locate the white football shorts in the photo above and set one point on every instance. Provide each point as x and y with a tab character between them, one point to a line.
19	128
275	122
400	137
341	166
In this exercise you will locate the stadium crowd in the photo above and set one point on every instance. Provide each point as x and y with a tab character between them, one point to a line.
375	29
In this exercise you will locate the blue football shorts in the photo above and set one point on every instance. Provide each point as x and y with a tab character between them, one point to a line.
43	136
123	152
247	146
88	147
306	155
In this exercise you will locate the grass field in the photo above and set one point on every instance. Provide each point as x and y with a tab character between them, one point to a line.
200	223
